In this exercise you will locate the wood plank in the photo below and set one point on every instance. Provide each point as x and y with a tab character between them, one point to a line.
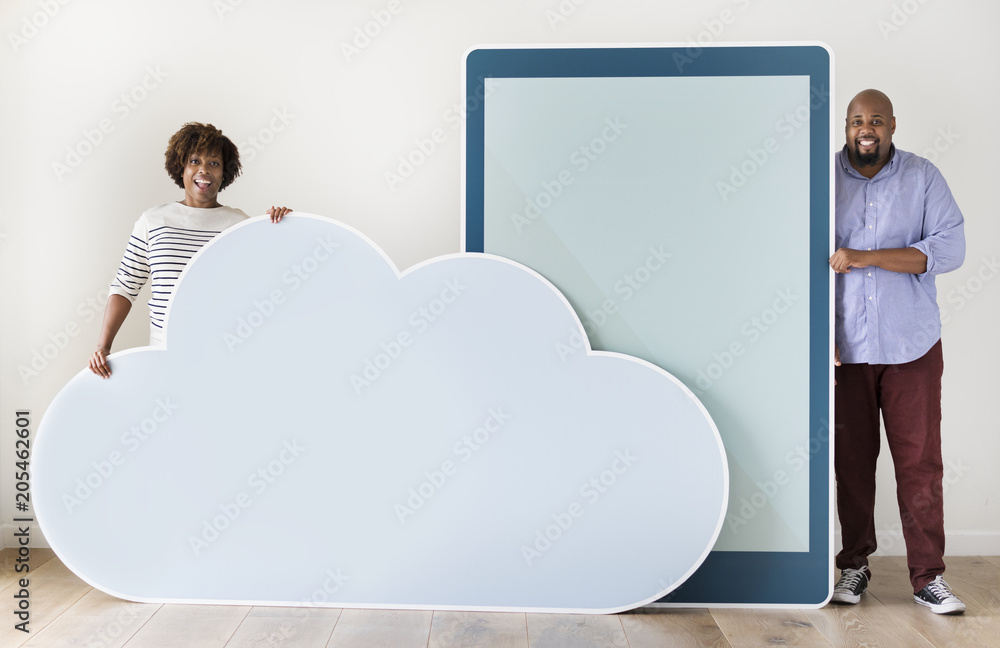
52	589
891	585
97	619
768	627
575	631
974	580
381	629
868	623
67	612
285	627
657	627
190	626
479	630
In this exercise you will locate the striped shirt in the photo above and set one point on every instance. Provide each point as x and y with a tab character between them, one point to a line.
163	241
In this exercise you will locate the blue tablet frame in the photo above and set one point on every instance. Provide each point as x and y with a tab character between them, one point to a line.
745	578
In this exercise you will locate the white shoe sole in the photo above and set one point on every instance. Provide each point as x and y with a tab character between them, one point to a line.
955	607
846	598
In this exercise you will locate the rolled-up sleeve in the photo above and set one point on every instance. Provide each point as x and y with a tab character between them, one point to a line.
943	239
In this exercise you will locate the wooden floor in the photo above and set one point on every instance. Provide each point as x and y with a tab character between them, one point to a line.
65	611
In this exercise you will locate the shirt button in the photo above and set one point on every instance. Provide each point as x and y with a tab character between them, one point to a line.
871	204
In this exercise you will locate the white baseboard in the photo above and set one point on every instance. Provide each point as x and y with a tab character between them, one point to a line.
957	543
35	538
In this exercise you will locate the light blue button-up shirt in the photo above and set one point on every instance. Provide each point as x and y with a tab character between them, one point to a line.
885	317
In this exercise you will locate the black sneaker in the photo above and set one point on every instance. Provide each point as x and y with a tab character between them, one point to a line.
938	597
852	584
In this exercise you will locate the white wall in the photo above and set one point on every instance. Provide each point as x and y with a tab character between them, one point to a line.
330	123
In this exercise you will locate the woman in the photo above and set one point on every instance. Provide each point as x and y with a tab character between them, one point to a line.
203	162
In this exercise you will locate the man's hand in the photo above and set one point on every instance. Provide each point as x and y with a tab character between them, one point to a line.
909	260
99	363
845	258
277	213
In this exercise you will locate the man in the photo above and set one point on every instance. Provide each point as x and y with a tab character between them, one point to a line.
897	228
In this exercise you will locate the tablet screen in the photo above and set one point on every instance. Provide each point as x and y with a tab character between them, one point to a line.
680	199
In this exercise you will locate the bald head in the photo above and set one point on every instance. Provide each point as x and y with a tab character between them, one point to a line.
869	130
870	97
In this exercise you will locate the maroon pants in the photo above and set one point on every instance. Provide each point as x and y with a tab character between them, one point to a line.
909	398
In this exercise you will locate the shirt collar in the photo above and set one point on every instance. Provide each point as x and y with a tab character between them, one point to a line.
890	166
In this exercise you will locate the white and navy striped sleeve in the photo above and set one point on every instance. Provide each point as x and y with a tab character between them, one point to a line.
133	271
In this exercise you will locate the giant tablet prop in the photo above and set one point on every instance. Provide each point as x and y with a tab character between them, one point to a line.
324	430
680	197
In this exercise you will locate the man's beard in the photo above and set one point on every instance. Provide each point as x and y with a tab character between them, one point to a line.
866	159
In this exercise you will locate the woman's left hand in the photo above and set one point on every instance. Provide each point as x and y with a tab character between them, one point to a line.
277	213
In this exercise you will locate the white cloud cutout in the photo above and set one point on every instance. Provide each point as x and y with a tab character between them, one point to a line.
324	430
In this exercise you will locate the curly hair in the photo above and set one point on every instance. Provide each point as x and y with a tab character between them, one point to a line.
193	138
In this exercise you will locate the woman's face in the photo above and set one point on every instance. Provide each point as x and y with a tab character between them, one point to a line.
202	179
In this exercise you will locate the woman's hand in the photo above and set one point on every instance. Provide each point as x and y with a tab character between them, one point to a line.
99	363
114	315
277	213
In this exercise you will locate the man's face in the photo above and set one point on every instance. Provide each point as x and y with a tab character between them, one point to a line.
870	126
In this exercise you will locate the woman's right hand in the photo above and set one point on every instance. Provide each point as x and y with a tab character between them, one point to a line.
114	314
99	363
